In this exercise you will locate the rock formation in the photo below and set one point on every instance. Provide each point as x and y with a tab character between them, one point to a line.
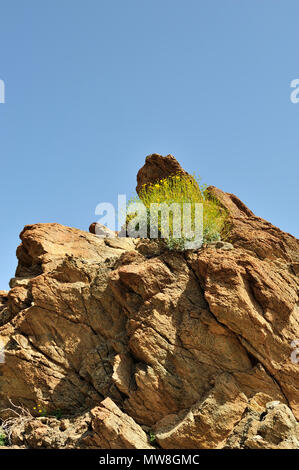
3	298
127	340
102	231
157	167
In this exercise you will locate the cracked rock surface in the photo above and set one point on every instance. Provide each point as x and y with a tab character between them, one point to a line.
128	339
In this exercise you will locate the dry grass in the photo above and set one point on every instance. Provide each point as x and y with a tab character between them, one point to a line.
22	416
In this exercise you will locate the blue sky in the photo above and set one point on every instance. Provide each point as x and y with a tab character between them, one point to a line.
94	86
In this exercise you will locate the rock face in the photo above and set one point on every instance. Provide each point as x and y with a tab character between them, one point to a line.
157	167
256	235
103	427
128	339
3	299
275	428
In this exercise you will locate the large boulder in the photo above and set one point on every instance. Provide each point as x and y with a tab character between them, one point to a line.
157	167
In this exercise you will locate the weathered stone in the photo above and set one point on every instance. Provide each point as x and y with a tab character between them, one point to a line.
209	420
221	245
256	235
101	230
113	429
273	428
191	345
104	427
3	299
157	167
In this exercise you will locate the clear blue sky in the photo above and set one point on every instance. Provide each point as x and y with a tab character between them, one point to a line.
94	86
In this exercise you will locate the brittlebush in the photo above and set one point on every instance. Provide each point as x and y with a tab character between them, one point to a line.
183	189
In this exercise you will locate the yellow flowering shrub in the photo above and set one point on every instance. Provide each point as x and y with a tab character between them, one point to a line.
183	189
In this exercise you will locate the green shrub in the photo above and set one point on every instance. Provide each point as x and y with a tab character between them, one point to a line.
182	189
3	439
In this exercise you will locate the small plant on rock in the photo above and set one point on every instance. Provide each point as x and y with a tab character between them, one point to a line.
3	438
152	437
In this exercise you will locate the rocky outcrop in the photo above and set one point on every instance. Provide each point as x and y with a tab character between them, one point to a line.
103	427
4	316
3	299
102	231
157	167
256	235
274	428
130	340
